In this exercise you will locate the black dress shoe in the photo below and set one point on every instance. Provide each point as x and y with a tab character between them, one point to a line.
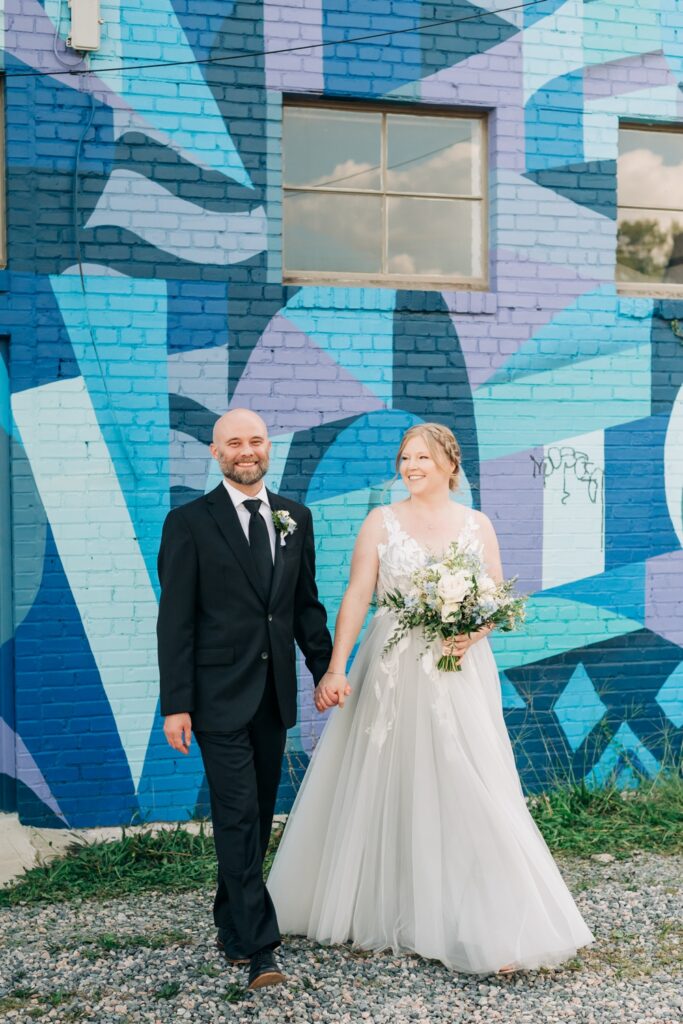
263	970
226	941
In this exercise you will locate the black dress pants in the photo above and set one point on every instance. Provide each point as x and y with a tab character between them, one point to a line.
243	772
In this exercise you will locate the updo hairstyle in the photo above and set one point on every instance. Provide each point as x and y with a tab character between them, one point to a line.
442	445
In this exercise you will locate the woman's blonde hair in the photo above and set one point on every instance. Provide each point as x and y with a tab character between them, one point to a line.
442	446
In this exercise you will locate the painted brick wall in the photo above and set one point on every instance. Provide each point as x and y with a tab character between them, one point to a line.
566	397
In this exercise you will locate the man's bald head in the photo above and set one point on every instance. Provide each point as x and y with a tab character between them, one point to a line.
239	422
241	448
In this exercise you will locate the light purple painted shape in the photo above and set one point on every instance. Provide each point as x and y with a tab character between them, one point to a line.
17	762
532	281
294	385
619	77
512	498
664	596
287	25
33	47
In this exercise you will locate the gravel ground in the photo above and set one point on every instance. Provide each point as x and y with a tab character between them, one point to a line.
151	959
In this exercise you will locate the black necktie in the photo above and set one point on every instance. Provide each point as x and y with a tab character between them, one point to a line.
259	542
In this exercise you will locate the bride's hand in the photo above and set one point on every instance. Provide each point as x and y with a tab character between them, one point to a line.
458	645
332	689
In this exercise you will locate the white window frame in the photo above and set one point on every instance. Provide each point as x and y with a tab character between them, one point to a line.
415	282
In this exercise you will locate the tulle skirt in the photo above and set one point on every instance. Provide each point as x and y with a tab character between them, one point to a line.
410	830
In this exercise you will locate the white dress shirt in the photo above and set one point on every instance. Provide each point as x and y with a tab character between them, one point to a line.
243	514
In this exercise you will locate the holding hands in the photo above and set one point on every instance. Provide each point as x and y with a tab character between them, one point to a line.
332	690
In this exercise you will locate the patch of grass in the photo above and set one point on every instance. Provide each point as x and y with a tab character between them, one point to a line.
172	858
234	993
93	948
574	819
580	821
168	991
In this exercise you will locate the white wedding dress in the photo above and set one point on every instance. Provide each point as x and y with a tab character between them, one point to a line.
410	830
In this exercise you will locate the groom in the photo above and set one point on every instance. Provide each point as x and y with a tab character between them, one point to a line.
237	573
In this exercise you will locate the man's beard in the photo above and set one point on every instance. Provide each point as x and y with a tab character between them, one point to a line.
244	474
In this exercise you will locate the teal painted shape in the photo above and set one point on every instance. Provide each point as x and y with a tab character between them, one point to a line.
614	30
127	381
578	708
176	100
355	327
568	401
554	626
597	324
620	590
510	696
670	697
623	761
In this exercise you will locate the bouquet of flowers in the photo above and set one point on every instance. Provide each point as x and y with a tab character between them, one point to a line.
452	596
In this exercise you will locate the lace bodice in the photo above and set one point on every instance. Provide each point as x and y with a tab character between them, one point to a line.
400	555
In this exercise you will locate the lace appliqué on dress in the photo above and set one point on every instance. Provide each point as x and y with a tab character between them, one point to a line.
399	557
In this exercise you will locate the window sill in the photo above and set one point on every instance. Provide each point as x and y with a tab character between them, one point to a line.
414	299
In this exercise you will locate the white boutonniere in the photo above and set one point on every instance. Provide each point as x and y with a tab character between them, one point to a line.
284	524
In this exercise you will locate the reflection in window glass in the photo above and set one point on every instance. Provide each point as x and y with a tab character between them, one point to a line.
382	195
432	237
329	232
433	154
650	200
332	148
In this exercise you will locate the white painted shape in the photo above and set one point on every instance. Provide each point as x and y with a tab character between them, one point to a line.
167	222
99	552
573	509
673	466
553	47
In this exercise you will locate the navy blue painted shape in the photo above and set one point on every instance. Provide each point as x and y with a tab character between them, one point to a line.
667	356
170	781
306	451
63	713
430	378
592	184
627	673
40	350
637	521
373	67
446	45
201	26
197	314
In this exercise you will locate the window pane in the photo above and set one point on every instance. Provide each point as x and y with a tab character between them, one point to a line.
324	231
434	237
333	148
650	246
650	169
433	154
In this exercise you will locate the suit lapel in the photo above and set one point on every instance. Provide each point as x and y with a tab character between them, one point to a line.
227	520
279	566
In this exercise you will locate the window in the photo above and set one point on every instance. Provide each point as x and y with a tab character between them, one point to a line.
375	196
650	217
3	244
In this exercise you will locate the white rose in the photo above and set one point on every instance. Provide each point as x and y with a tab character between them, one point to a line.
450	611
487	586
453	587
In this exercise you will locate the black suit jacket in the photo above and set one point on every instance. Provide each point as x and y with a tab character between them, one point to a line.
218	630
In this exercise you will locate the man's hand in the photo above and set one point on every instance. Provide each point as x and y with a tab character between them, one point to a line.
178	731
332	689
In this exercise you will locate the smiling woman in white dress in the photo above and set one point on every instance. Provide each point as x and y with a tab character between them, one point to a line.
410	830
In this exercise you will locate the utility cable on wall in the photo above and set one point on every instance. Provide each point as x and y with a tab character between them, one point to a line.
369	37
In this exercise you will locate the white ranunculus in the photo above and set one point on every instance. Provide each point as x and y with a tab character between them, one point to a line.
453	587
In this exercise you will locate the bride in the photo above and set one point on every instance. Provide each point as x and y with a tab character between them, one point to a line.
410	830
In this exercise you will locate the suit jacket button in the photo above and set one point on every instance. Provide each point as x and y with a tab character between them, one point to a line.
270	618
264	655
